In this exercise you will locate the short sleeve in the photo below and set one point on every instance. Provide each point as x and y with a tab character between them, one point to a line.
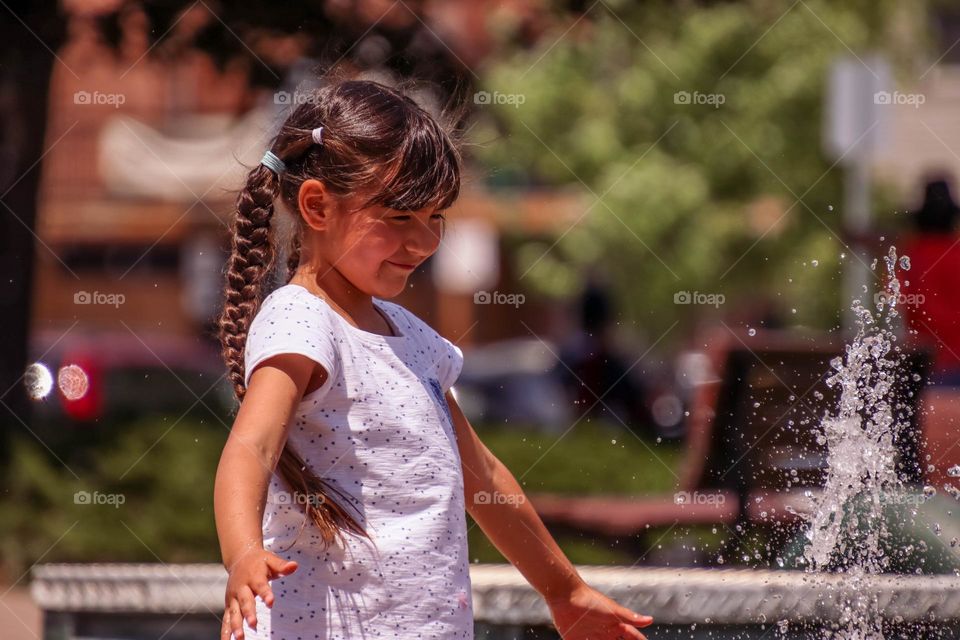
291	325
451	363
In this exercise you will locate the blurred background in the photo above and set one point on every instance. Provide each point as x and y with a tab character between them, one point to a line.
667	211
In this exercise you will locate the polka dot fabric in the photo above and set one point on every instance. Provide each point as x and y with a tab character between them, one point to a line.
381	431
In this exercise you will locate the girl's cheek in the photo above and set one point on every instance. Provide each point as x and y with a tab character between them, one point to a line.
388	245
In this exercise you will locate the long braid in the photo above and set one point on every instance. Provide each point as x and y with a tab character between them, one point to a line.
251	259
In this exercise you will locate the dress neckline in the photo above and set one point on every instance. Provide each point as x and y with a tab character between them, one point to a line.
369	336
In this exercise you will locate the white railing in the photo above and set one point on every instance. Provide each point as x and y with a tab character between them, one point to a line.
502	596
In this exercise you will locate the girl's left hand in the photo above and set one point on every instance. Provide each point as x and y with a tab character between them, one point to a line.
587	614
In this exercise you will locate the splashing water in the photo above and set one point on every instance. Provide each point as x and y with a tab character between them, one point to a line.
846	524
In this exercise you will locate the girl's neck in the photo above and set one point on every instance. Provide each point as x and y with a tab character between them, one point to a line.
346	299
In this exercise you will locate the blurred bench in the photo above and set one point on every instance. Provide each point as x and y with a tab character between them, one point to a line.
750	450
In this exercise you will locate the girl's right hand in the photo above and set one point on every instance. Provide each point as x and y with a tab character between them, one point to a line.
246	580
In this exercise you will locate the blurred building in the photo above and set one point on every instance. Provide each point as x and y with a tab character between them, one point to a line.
143	153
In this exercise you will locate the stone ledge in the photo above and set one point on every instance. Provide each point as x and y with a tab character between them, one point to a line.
502	596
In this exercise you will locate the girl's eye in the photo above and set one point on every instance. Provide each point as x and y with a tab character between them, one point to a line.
404	218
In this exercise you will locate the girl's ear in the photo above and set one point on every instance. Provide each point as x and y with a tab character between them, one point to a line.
316	204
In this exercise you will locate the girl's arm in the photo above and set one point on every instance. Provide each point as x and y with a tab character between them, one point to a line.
249	458
252	450
495	500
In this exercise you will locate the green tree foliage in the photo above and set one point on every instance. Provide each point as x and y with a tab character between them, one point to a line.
669	185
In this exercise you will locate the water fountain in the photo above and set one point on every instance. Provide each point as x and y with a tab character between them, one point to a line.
848	528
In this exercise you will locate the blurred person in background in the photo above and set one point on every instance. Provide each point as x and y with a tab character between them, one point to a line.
931	307
597	375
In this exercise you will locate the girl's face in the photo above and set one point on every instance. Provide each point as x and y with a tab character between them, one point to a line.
377	248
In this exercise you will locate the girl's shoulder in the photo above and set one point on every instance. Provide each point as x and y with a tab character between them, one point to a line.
293	303
290	322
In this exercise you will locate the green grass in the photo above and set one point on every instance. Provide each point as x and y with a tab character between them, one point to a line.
165	472
592	458
155	485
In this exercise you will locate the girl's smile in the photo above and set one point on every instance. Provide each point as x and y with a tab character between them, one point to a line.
404	267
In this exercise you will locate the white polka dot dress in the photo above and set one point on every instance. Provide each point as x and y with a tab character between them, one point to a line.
380	430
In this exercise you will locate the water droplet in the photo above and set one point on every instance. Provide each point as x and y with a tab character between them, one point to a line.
929	491
815	263
751	331
954	471
829	207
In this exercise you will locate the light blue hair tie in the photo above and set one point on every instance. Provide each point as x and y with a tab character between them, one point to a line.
271	161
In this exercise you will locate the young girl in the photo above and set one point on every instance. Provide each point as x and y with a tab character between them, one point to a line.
341	493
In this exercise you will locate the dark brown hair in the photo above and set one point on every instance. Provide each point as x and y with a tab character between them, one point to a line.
376	140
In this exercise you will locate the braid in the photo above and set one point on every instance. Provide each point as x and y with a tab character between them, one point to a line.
251	259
